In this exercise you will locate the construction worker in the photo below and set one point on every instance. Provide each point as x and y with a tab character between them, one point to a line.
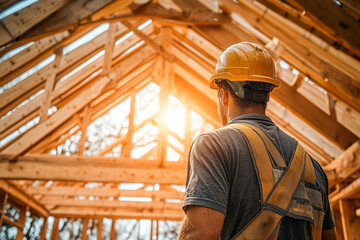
249	179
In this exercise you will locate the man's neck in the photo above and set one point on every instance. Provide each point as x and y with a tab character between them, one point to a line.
234	112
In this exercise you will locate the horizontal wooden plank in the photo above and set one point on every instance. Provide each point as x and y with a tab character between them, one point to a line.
102	192
48	201
175	215
95	172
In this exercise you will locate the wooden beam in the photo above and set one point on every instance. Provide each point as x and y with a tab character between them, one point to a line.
114	213
102	192
50	84
127	139
40	131
334	131
345	165
18	194
30	53
21	222
353	4
343	24
83	127
55	229
85	223
350	222
99	229
110	204
347	192
113	230
15	25
319	120
69	17
171	173
307	56
163	51
44	229
109	46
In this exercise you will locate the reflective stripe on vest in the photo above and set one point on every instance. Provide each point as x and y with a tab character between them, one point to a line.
283	190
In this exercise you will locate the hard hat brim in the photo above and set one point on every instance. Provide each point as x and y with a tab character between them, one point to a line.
242	78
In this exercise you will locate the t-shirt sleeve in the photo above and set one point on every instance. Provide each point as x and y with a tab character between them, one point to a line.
207	181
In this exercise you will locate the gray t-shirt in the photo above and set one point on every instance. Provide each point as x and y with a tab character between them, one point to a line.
221	176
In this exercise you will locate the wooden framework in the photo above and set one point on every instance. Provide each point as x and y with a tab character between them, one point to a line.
73	72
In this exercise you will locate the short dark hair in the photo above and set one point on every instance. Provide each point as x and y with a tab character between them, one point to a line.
240	102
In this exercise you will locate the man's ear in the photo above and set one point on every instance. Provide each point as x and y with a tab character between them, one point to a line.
224	96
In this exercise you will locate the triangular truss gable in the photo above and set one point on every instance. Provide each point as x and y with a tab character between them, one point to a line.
86	99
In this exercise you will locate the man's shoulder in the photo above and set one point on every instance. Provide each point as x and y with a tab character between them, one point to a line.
221	136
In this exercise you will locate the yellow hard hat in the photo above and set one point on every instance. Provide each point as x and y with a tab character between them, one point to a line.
245	61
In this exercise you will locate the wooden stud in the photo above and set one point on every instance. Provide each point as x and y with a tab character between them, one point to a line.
109	46
55	229
331	102
297	81
85	224
113	233
127	143
85	122
99	229
350	223
44	229
188	138
3	202
50	84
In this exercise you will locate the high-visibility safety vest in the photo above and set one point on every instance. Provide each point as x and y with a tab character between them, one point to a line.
283	191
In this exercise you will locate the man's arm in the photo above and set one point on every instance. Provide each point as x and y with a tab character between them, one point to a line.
201	223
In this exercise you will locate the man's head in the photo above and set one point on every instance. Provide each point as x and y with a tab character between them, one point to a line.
244	76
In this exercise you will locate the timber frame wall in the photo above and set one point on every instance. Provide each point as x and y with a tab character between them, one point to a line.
172	44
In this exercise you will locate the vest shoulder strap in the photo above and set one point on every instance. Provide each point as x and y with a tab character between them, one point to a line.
266	223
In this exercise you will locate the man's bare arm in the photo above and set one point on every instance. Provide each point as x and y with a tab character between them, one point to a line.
201	223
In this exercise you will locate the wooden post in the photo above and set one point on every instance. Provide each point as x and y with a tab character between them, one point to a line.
109	46
151	229
127	144
43	229
157	229
3	201
22	219
50	84
100	229
85	223
138	230
85	122
55	230
331	102
164	73
113	230
188	139
350	223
